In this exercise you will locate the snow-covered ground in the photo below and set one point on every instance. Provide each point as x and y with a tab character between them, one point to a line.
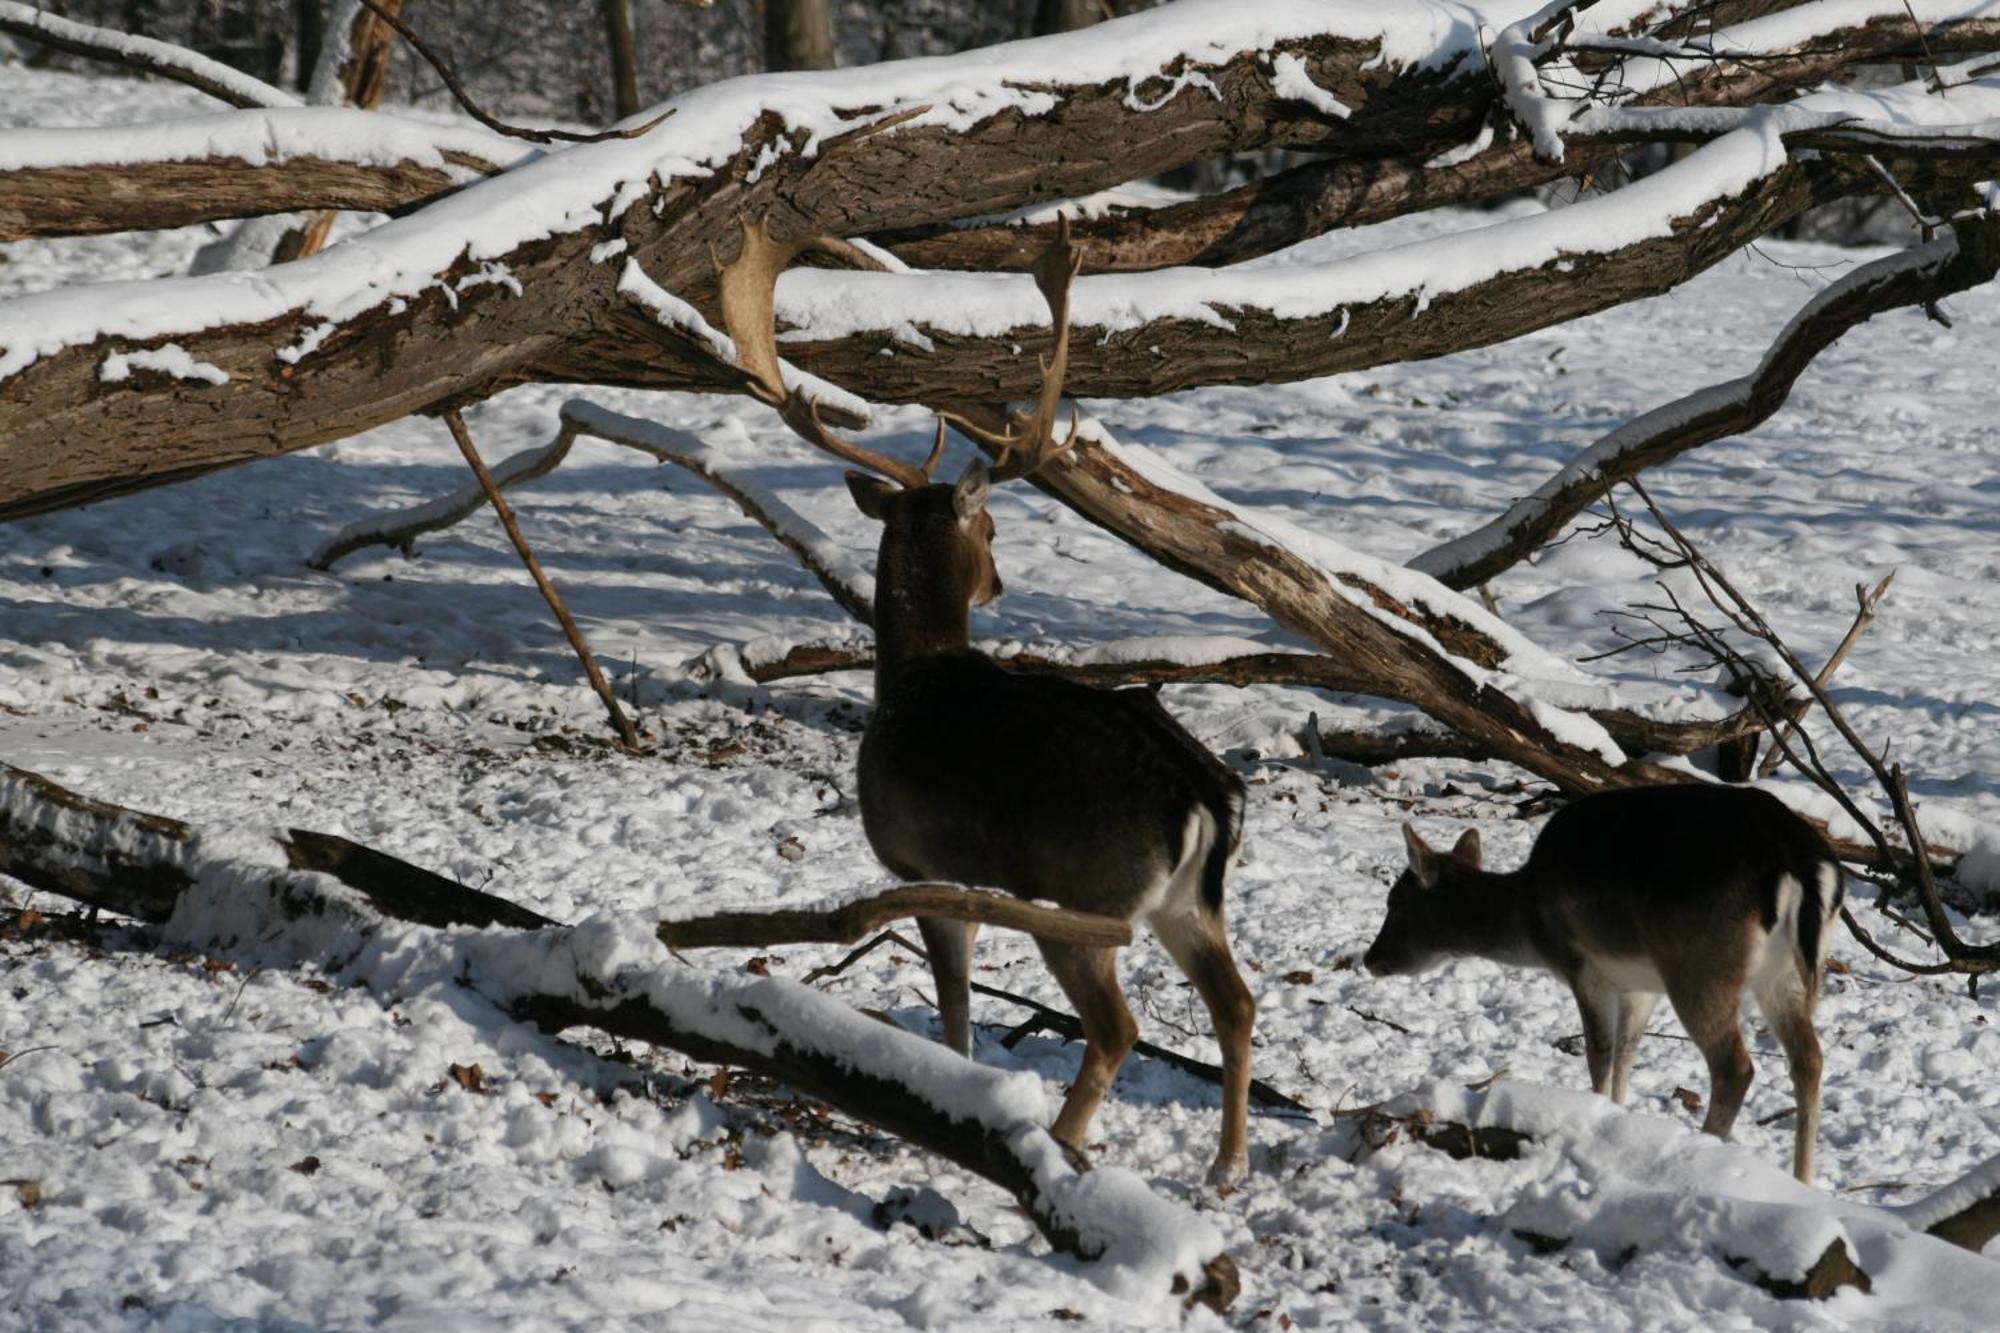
253	1143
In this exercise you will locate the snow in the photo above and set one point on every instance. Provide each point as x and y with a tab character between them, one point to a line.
429	707
263	137
590	185
168	359
1291	79
250	90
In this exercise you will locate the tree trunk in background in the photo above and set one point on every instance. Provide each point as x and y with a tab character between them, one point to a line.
308	16
371	45
1067	15
798	34
239	34
624	56
365	73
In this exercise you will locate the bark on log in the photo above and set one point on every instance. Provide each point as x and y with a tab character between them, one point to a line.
460	335
453	342
143	865
1305	201
128	196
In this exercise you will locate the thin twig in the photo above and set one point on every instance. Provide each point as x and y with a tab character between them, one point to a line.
478	113
835	969
1864	614
1067	1024
1965	958
627	733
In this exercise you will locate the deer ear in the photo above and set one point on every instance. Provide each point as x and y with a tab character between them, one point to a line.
871	494
1423	861
968	497
1466	850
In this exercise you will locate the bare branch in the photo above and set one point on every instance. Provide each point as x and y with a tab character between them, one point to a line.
1916	867
1867	600
1968	258
851	920
388	15
145	54
622	725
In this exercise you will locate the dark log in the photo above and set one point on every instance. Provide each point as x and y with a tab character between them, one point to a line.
141	864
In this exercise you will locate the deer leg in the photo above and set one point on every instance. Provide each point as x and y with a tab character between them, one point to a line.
1597	1006
1089	977
1788	1010
1201	949
949	944
1635	1009
1711	1011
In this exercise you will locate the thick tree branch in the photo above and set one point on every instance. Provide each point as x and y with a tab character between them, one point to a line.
76	182
547	308
1305	201
1967	258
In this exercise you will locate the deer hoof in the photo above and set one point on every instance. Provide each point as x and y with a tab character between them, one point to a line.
1230	1170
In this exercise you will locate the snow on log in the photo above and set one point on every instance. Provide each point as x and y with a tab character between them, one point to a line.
514	279
220	81
1965	1212
919	337
348	909
1277	211
74	182
1409	637
1967	258
1618	1181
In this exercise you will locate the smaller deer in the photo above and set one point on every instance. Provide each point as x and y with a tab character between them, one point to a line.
1694	891
1094	799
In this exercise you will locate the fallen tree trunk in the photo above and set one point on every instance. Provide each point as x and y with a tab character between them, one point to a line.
517	280
311	897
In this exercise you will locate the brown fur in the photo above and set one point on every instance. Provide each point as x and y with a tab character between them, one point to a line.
1680	890
1094	799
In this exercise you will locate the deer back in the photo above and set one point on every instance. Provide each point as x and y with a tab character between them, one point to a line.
1040	786
1670	877
1679	875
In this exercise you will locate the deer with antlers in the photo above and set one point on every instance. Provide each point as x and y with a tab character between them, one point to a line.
1097	800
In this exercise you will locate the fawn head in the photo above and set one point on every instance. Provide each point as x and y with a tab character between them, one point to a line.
1421	908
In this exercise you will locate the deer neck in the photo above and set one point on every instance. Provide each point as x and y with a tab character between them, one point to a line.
915	618
1491	915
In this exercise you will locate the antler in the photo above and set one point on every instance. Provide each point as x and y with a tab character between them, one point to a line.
1029	441
748	291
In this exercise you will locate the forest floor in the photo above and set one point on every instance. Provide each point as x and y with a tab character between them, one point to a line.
215	1140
